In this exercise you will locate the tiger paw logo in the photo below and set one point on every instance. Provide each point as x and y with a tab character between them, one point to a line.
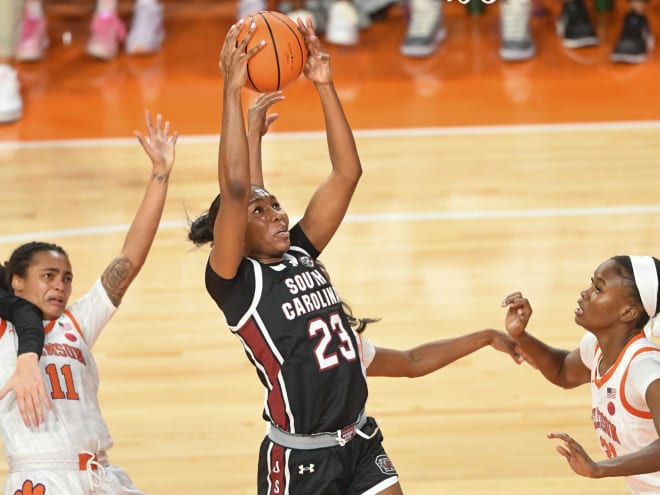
30	489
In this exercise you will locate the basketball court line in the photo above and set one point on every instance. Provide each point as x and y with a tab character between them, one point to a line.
363	218
402	132
393	217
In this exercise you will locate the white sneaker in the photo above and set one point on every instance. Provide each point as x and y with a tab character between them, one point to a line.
343	24
147	31
303	14
11	104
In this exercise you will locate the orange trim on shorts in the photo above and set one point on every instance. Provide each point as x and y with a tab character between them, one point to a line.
624	401
3	327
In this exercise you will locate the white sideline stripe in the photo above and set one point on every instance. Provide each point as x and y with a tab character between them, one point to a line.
368	218
403	132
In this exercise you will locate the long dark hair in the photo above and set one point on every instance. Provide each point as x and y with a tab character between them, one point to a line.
21	259
625	271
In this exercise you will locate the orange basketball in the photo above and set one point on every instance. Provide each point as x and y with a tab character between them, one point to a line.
282	59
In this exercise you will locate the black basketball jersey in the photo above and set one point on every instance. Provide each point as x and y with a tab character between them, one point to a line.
293	328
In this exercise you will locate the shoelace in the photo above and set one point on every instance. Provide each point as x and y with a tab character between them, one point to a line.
95	471
515	19
424	15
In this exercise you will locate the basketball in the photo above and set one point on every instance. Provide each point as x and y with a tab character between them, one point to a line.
282	59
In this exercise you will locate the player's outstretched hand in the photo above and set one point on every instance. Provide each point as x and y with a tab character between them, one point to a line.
234	55
159	145
317	66
576	456
28	385
518	314
258	118
503	343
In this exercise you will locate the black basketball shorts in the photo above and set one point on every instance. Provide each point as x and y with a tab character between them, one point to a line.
361	467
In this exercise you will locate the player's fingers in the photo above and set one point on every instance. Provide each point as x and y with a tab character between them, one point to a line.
24	414
513	296
5	390
565	453
44	397
34	409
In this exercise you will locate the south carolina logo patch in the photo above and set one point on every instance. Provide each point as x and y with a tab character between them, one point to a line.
385	465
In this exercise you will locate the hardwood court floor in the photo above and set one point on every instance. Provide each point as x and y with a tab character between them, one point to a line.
449	218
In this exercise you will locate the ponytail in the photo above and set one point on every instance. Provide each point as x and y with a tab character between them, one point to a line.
201	228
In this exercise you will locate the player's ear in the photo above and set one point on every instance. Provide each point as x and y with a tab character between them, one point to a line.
630	313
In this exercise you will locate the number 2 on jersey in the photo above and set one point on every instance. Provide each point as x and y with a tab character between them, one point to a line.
57	392
325	359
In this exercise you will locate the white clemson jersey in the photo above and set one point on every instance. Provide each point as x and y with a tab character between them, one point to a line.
621	417
75	423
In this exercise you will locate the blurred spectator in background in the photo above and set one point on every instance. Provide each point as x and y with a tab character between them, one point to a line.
516	41
635	41
426	28
107	31
340	21
11	104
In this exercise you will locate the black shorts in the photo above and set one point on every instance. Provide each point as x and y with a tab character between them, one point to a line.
354	469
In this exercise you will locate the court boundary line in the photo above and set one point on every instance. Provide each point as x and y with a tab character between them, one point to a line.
368	218
359	133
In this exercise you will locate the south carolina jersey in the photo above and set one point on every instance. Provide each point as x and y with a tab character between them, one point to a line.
294	331
621	417
75	424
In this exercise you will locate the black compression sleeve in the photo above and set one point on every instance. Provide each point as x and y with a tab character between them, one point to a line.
27	320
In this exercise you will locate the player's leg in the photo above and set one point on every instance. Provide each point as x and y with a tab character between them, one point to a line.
107	31
147	28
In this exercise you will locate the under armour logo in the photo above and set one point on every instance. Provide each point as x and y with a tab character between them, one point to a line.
302	469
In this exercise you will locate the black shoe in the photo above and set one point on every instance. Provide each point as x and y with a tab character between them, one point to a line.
574	26
635	42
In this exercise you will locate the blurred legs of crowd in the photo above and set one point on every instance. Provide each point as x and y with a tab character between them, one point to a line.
24	30
24	38
426	29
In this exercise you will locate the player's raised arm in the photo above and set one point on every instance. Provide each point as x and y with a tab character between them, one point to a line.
329	204
233	160
159	145
259	121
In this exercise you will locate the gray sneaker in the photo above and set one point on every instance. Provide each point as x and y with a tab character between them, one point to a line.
426	29
516	42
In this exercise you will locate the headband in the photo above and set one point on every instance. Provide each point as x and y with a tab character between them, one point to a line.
646	280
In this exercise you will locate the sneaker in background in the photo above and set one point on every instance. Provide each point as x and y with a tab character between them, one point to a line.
246	7
343	24
108	31
574	26
636	40
303	14
11	104
426	29
34	39
147	30
516	42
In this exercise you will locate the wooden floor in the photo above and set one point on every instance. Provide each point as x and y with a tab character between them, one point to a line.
456	209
